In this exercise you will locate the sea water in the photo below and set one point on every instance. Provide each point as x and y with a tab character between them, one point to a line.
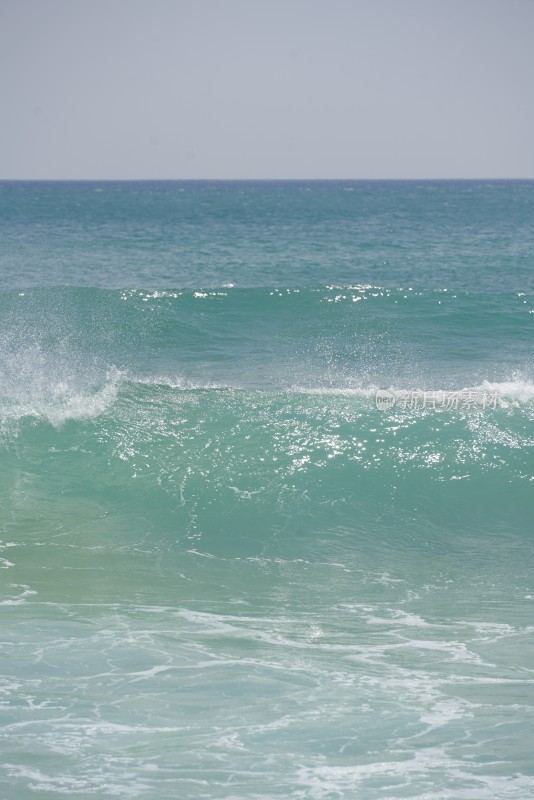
267	490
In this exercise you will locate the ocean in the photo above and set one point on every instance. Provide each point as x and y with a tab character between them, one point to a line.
267	490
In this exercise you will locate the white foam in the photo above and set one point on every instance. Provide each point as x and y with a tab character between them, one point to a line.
17	601
59	402
341	391
517	391
175	382
62	405
325	781
400	618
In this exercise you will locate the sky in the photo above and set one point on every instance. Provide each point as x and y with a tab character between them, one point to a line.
266	89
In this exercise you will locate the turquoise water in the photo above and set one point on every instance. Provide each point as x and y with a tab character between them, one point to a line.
226	572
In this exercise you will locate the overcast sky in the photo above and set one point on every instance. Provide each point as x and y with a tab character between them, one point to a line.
266	89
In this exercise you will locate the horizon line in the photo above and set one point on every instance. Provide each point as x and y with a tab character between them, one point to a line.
263	180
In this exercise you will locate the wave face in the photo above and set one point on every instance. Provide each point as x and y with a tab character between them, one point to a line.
231	571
